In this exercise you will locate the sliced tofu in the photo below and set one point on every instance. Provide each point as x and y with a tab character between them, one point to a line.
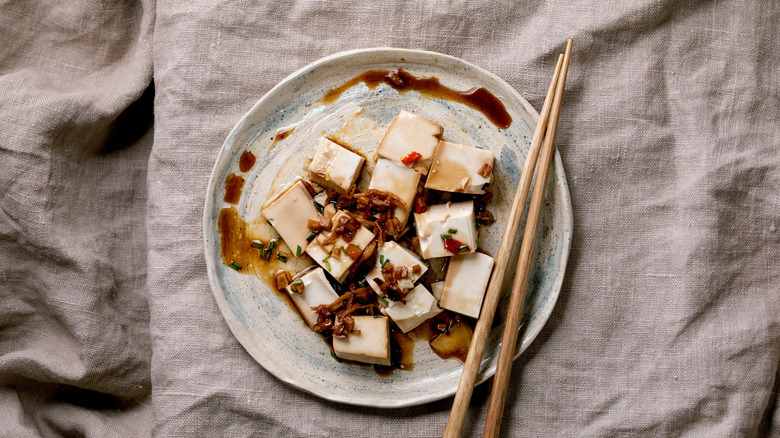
289	213
338	265
466	282
398	256
438	220
316	291
420	306
409	133
371	345
334	166
460	168
398	180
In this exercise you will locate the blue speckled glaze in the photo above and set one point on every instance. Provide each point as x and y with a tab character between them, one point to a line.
268	329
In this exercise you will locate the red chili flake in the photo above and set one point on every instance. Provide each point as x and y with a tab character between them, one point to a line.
453	245
419	205
411	157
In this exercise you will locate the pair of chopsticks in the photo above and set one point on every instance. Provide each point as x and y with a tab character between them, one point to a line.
550	110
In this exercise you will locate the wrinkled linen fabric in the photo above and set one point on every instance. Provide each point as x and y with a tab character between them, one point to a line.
668	323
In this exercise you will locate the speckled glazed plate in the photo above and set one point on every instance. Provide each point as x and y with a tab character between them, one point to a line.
263	322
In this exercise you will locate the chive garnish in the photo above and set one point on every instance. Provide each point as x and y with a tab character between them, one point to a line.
446	236
362	283
257	244
381	260
297	282
452	231
344	250
310	237
383	300
385	262
333	355
326	258
282	258
298	251
327	265
235	266
319	207
463	248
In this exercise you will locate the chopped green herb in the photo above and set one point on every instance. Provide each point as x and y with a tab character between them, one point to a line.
333	355
377	316
463	248
381	260
235	266
326	258
362	283
298	251
257	244
384	301
319	207
310	237
281	257
297	282
385	262
446	236
344	250
327	265
452	231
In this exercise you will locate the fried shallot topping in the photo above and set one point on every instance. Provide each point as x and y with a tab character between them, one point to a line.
320	225
485	170
336	317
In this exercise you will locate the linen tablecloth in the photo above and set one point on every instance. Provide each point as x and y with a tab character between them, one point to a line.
112	115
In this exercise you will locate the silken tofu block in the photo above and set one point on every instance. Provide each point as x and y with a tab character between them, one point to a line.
420	306
371	345
316	291
460	168
465	284
410	133
398	180
337	266
334	166
289	213
440	219
398	256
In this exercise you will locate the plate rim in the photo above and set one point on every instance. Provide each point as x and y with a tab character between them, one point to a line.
224	306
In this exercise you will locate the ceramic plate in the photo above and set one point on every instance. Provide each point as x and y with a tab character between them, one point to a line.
272	332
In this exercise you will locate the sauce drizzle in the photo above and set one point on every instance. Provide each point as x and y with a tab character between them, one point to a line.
234	184
477	98
246	161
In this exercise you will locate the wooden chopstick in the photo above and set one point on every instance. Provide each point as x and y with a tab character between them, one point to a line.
482	330
515	312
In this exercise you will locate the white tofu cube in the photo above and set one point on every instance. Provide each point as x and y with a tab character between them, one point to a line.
460	168
466	282
398	256
338	265
409	133
398	180
289	213
437	288
371	345
420	306
438	220
316	291
334	166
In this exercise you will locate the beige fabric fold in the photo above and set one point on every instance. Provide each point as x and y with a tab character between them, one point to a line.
668	323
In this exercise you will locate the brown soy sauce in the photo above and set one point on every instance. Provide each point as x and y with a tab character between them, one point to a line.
234	185
246	161
477	98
